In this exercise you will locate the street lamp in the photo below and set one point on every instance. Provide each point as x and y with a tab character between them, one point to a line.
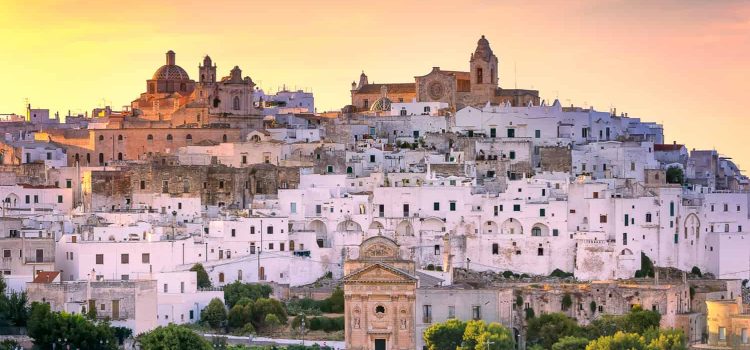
302	325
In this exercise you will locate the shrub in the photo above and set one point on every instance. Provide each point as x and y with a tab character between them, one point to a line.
214	314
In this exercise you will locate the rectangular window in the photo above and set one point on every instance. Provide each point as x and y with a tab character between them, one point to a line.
671	208
511	133
602	219
293	208
269	230
493	133
234	233
676	238
542	212
476	312
182	287
512	155
146	258
59	199
252	230
437	249
624	238
36	198
452	205
166	288
68	183
537	133
722	333
516	207
381	210
451	311
281	246
318	209
124	258
270	246
627	220
100	259
372	158
555	232
743	336
426	313
329	169
406	210
436	206
28	199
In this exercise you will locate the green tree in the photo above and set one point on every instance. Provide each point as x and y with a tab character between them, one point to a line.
335	303
639	320
696	271
480	336
669	339
240	314
567	301
202	275
233	292
570	343
547	329
647	267
675	175
271	322
444	335
14	309
214	314
172	337
619	341
8	344
263	307
45	327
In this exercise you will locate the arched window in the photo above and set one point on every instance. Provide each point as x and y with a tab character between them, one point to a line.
221	277
185	186
262	273
101	158
380	309
169	137
78	158
224	138
536	231
349	170
236	103
119	156
150	138
189	138
495	249
119	137
239	275
101	137
291	245
479	76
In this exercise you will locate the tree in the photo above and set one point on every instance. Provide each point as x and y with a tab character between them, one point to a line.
172	337
647	267
335	301
480	336
444	335
547	329
570	343
669	339
675	175
241	314
619	341
272	321
46	327
696	271
263	307
14	309
202	276
639	320
233	292
214	314
567	302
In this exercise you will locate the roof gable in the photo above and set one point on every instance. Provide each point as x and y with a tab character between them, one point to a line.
379	273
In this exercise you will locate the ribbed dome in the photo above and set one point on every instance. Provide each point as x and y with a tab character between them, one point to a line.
170	72
381	104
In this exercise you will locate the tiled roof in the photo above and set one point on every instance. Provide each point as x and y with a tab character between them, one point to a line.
46	276
397	88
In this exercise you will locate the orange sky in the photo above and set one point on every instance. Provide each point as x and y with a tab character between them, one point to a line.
683	63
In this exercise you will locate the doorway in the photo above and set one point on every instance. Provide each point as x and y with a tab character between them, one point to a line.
379	344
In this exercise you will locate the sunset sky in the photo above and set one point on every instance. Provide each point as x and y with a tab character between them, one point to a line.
683	63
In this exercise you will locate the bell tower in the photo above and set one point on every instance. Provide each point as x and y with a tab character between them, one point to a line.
207	71
483	64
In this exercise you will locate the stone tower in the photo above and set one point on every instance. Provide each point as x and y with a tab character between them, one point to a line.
207	71
483	65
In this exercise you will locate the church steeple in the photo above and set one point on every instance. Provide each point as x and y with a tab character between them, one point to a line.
362	80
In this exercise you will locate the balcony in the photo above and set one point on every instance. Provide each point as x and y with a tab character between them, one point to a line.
40	260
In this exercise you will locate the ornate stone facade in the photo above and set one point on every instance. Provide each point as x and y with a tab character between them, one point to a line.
459	89
380	295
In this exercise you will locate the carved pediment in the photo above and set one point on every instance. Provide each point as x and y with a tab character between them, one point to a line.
378	248
379	273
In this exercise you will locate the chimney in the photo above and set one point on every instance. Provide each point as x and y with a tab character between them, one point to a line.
170	58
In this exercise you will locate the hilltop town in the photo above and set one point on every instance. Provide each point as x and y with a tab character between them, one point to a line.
448	196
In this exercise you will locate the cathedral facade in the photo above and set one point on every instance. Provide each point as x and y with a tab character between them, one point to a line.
380	297
459	89
172	95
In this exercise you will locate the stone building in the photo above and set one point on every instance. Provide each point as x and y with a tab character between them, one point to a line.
728	325
380	293
478	86
131	304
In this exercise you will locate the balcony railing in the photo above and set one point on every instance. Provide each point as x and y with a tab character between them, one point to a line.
40	260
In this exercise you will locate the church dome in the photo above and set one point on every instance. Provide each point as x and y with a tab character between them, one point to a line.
170	72
483	49
381	104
